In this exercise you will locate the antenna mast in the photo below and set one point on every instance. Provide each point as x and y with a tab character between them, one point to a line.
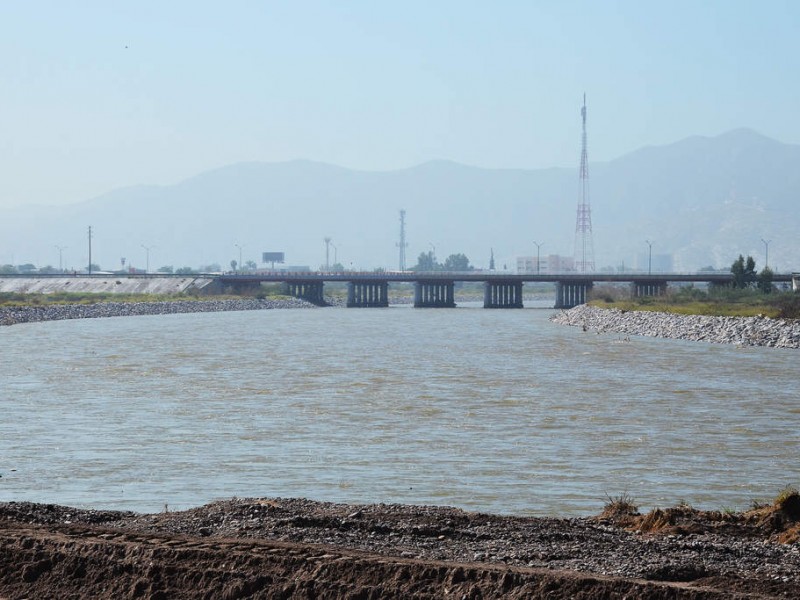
402	244
584	246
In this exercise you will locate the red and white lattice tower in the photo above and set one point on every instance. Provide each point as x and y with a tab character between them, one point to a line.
584	246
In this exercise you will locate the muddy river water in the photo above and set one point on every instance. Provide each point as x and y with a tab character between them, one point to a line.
490	410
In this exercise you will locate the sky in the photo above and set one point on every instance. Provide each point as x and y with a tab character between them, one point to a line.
98	95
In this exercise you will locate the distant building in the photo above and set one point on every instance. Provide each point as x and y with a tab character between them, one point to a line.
552	263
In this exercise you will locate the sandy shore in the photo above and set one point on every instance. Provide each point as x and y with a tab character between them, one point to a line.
294	548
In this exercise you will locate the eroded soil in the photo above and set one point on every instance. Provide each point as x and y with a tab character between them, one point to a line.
294	548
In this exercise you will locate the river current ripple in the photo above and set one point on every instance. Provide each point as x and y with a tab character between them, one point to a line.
490	410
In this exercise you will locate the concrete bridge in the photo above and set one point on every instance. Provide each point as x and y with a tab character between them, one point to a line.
431	289
501	290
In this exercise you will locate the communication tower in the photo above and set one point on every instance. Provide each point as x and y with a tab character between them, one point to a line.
584	246
402	244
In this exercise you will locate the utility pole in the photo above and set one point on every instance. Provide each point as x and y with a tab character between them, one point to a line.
584	246
649	257
60	258
538	246
402	244
90	249
240	256
327	254
766	245
147	258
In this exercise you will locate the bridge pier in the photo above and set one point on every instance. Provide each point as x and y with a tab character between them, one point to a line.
572	293
648	288
311	291
502	294
434	294
367	294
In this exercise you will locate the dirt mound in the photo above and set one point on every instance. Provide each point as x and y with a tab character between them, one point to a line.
295	548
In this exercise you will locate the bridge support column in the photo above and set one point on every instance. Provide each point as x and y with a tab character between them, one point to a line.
372	294
572	293
502	294
434	294
648	288
310	291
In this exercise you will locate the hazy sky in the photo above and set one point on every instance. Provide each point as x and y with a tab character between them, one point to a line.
100	94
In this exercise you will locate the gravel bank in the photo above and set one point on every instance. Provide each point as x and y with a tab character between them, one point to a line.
31	314
377	551
743	331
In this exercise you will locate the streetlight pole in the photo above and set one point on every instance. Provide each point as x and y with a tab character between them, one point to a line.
60	258
766	246
649	257
147	258
327	253
90	249
538	246
240	256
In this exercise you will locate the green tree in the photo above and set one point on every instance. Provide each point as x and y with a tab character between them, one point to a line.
184	271
234	264
765	280
166	269
457	262
8	269
250	265
48	270
744	272
426	262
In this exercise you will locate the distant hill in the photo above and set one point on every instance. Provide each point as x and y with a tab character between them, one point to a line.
704	200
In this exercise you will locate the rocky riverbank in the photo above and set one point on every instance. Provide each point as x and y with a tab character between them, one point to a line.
58	312
295	548
743	331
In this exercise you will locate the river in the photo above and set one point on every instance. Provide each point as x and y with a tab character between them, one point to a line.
489	410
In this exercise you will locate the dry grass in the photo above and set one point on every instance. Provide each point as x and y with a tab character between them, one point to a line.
778	521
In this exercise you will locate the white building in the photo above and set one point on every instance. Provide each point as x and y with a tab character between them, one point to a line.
552	263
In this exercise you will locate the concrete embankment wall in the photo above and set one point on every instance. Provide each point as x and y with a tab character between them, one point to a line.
111	284
744	331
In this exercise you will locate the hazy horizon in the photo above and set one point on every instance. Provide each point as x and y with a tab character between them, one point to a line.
99	97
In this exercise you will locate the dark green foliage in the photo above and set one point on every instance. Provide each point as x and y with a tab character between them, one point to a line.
457	262
788	305
426	262
765	280
744	272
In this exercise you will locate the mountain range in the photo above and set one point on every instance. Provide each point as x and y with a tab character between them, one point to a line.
702	200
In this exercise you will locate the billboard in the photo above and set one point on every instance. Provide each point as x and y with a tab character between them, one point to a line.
272	257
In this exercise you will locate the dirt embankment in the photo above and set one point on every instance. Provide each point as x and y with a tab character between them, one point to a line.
289	548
